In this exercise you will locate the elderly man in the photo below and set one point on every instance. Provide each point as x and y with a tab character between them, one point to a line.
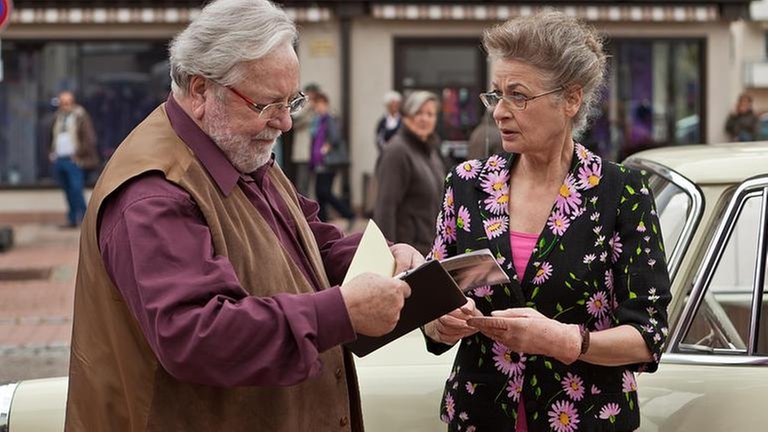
207	294
73	148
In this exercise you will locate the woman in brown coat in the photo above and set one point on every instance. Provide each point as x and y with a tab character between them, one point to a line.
410	176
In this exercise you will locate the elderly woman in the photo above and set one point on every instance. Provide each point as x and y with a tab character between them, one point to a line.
410	176
557	348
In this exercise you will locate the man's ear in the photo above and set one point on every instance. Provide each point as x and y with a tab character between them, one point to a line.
574	95
197	95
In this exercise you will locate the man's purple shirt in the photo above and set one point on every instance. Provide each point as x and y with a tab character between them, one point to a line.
200	322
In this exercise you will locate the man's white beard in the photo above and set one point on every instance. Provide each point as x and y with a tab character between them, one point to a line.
244	152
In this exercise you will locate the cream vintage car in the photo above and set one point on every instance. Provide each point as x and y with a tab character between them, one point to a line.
713	206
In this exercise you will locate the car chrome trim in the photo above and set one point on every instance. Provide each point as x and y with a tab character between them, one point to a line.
749	188
694	217
713	359
6	396
759	276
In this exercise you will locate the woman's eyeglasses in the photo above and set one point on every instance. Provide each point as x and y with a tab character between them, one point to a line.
517	100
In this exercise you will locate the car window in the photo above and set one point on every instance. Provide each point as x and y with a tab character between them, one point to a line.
722	321
673	205
679	204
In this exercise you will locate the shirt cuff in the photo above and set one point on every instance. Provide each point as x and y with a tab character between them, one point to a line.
333	324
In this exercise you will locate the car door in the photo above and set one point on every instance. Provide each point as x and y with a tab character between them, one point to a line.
714	373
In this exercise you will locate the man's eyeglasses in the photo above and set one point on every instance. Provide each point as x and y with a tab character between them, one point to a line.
517	101
273	110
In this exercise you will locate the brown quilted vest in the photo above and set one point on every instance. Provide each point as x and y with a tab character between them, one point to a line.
115	381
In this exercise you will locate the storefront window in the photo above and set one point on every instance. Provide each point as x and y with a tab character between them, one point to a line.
455	70
654	97
118	83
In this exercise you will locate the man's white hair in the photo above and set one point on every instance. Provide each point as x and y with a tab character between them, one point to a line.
226	34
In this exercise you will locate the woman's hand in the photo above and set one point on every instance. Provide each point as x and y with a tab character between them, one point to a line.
528	331
452	327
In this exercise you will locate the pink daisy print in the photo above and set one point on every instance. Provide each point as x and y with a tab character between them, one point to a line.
603	323
597	305
468	170
573	386
609	279
462	220
495	226
448	201
595	390
495	181
450	406
483	291
616	247
515	388
449	229
610	411
563	417
569	199
641	227
463	416
495	162
508	362
542	273
582	153
628	383
589	176
498	202
438	249
470	387
558	223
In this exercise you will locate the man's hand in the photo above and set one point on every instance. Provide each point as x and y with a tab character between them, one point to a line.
374	303
526	330
406	257
452	327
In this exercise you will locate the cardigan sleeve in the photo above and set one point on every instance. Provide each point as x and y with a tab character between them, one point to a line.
393	176
641	280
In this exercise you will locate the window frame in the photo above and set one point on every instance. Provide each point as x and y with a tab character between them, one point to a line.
756	186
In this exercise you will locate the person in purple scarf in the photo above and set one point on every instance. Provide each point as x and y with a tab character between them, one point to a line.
327	154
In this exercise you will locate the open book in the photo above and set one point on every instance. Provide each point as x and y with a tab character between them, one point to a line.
437	287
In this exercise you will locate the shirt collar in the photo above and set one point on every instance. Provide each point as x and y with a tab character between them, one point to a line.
210	155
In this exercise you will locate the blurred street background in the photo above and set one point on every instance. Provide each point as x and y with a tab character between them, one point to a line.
676	72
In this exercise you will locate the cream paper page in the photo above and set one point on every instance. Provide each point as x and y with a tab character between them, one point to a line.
372	255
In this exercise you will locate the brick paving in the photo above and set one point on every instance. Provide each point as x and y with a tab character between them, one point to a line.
37	278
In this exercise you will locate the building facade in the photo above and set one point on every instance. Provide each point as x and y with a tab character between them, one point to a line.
669	63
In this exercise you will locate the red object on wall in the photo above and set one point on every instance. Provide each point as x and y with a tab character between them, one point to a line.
5	12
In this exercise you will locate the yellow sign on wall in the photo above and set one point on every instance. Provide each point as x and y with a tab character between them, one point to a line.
323	47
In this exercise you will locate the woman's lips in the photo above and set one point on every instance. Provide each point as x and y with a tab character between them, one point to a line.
508	133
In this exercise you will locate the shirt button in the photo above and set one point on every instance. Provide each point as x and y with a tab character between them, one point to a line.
339	373
343	421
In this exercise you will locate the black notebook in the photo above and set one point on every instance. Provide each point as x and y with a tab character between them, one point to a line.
437	287
433	294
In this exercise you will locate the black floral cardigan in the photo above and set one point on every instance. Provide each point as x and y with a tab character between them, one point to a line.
599	262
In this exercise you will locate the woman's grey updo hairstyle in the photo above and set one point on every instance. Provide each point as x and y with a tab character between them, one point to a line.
416	100
567	50
226	34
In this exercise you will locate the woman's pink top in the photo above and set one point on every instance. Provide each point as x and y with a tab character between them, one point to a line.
522	245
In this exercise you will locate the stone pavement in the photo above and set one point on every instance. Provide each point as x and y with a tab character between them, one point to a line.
36	297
